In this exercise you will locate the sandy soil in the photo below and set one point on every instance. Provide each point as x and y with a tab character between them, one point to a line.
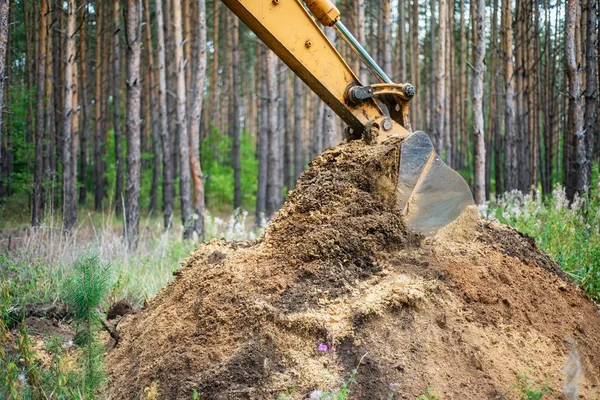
463	313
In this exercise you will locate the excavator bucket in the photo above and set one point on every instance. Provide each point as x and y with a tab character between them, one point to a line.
429	193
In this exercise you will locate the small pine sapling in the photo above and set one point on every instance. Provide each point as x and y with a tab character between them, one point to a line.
86	290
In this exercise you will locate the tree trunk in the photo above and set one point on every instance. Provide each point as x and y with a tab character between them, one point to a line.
581	181
298	128
116	86
36	209
360	22
98	139
478	125
329	124
591	87
440	79
402	74
4	8
6	145
511	177
195	116
85	110
56	30
69	189
462	83
386	38
182	133
274	158
236	129
132	192
168	174
262	151
155	124
288	180
49	121
214	81
416	111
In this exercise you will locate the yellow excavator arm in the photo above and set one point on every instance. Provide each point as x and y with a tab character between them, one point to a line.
429	193
287	28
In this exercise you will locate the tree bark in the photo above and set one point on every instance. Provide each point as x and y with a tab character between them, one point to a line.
511	177
591	87
478	125
262	151
36	209
236	129
440	79
288	180
386	38
49	121
360	22
581	182
463	83
402	73
85	110
195	116
98	138
182	132
298	128
133	126
214	81
415	74
274	159
4	8
168	173
69	189
329	124
116	86
155	123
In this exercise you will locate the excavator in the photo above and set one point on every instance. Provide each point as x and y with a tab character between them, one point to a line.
429	194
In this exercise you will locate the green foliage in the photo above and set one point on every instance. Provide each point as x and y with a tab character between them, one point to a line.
216	164
569	233
527	389
85	292
428	395
21	376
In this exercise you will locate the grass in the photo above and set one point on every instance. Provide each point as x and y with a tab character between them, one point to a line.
40	259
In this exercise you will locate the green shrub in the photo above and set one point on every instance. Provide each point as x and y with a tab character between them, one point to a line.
527	389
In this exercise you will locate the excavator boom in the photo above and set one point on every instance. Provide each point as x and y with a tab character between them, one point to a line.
430	194
287	28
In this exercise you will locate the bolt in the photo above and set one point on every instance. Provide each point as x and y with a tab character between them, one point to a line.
409	90
397	107
387	124
275	2
308	44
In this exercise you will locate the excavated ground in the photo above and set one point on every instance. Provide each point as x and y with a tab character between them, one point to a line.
463	313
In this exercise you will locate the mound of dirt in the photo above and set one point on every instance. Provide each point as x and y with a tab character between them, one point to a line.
337	283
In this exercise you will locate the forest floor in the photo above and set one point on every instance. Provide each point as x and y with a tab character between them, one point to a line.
315	306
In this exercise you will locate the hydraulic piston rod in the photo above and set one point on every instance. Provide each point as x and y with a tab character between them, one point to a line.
361	52
327	14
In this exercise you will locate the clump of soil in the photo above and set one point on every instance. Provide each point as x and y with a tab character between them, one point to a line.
463	313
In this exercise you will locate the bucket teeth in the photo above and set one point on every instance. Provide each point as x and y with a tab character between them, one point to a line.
429	193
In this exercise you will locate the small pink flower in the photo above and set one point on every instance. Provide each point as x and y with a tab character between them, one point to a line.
323	347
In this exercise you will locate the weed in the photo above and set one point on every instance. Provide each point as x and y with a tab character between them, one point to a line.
428	395
527	389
